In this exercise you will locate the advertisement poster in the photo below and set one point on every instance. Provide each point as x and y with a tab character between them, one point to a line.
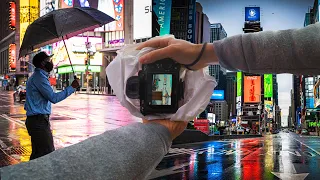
67	3
29	11
77	51
239	84
191	21
142	19
252	13
113	8
252	89
162	11
268	86
269	108
12	57
12	19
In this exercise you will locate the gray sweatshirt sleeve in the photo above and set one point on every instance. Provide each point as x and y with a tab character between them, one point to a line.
295	51
129	152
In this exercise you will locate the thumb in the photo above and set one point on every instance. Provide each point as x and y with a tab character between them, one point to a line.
156	55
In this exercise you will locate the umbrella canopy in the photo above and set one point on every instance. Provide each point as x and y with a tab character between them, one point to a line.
62	23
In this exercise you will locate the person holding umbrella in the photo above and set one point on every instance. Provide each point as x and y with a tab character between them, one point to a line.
39	97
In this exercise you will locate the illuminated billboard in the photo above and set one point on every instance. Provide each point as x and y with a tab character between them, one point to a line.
142	19
77	51
239	84
268	85
66	3
217	95
29	12
252	89
12	17
113	8
162	11
252	13
12	57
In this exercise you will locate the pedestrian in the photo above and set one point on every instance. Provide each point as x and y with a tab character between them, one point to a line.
133	151
39	96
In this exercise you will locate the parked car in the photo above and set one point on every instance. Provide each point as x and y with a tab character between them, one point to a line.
20	94
304	132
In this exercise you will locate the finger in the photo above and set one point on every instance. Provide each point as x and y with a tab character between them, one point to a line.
158	42
156	55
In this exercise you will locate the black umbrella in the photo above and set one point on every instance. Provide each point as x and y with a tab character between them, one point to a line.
59	25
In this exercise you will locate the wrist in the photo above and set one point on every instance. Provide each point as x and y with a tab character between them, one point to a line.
208	56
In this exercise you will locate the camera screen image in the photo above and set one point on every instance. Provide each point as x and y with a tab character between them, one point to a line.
161	89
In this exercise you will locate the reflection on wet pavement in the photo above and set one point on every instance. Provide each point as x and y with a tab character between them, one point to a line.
281	156
73	120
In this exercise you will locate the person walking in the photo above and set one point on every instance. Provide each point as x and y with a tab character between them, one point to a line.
39	96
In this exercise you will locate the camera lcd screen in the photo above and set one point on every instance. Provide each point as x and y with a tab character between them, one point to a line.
161	89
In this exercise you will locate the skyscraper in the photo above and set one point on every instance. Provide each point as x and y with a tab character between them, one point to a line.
217	32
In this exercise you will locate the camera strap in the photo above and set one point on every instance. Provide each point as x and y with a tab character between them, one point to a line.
198	58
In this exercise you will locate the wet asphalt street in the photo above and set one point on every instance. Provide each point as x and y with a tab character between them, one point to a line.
280	156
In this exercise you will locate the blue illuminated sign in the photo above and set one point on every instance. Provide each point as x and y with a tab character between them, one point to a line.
252	14
191	21
162	9
217	95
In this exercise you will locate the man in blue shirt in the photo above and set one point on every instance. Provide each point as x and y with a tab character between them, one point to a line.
39	97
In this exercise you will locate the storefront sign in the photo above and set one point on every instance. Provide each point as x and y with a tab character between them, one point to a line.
162	9
252	89
29	12
12	17
268	85
142	19
78	68
252	13
191	21
202	125
12	57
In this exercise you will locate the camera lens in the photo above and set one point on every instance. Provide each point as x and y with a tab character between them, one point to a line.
132	87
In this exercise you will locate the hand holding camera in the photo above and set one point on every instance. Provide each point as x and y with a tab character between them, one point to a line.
181	51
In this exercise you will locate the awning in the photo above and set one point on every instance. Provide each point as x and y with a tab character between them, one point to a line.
112	50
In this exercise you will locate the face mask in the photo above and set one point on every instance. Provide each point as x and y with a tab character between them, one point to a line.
49	66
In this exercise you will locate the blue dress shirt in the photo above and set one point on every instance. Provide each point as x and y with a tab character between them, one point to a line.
40	94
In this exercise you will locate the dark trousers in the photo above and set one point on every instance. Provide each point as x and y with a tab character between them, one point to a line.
41	136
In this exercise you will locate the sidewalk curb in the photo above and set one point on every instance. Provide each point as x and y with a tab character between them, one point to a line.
194	136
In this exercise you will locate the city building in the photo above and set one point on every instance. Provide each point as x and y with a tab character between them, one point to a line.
217	32
220	109
231	90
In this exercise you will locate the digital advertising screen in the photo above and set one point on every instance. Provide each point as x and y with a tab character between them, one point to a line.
268	85
113	8
142	19
252	13
77	51
217	95
161	89
252	89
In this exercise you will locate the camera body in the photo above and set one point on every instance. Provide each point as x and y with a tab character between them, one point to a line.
158	86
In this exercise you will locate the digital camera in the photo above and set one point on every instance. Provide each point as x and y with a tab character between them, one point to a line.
158	86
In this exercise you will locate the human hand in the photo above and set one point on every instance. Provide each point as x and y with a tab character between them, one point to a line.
75	83
175	127
179	50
